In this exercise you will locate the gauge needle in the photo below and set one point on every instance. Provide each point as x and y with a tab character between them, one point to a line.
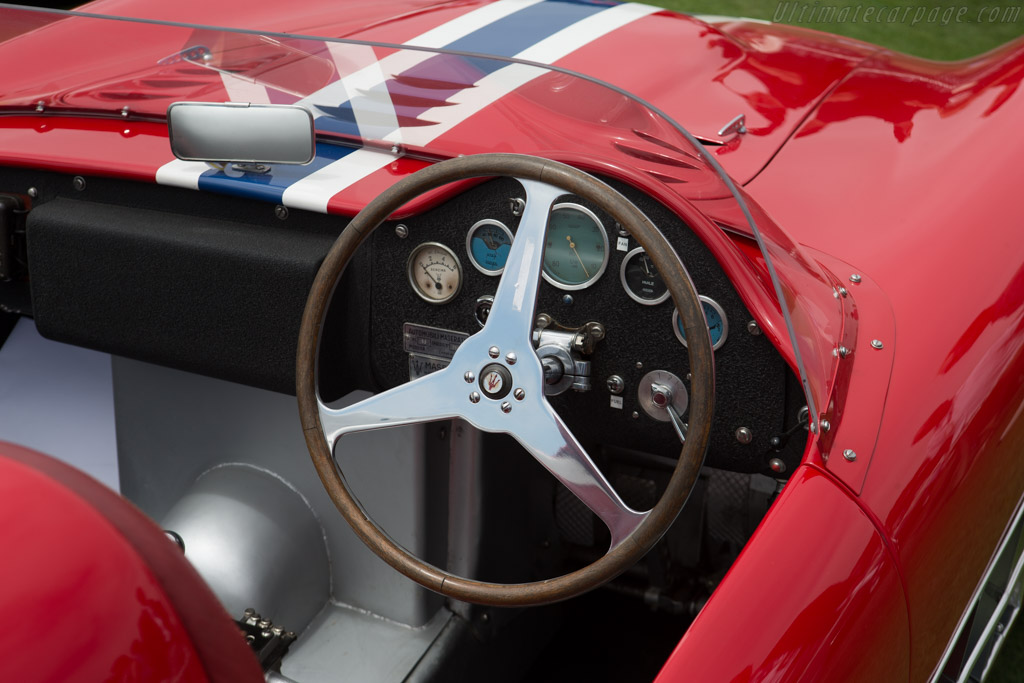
437	280
643	260
572	245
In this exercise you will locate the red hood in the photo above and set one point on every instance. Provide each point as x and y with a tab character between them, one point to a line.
701	75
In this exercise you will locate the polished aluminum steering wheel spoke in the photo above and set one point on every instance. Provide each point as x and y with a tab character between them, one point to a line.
425	399
549	441
513	310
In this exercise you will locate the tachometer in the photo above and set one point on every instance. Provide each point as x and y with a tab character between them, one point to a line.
488	244
576	252
640	278
718	324
434	272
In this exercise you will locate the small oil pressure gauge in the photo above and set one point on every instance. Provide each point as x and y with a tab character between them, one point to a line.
640	278
435	273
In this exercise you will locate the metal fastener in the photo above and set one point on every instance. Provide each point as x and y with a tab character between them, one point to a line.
78	182
469	377
849	455
520	394
753	328
567	299
474	397
842	290
494	352
506	407
744	435
635	415
876	343
401	231
281	211
639	365
825	425
40	106
776	465
615	384
511	357
125	111
855	278
33	192
843	352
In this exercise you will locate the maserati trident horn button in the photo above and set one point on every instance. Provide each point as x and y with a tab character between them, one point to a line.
495	381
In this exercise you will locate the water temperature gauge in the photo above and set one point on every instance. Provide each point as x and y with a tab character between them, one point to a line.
435	272
718	324
488	243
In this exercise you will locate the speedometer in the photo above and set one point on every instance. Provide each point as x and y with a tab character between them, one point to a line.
576	249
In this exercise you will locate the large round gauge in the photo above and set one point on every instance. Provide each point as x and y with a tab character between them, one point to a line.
576	251
640	278
488	244
434	272
718	324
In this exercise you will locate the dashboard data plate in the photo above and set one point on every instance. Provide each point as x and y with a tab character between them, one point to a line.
431	341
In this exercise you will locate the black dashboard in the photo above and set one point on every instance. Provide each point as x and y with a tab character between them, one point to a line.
216	285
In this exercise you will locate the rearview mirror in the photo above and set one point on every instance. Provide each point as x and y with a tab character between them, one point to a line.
244	133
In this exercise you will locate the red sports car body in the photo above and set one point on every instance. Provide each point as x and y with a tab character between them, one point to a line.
859	239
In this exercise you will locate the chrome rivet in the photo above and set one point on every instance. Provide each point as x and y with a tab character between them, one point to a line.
469	377
474	397
639	365
813	428
842	290
125	111
33	192
78	182
494	352
567	299
843	352
744	435
401	231
776	465
281	211
40	106
511	357
855	278
635	415
825	425
849	455
519	394
876	343
506	407
396	149
753	328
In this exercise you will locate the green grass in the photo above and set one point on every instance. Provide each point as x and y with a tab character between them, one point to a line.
942	37
932	39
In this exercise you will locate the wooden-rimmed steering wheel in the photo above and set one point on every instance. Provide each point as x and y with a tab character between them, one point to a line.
515	403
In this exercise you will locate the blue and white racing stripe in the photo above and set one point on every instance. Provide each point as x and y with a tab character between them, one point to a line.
381	100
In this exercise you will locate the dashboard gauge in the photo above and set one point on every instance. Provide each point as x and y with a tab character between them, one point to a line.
576	249
434	272
488	244
718	324
641	280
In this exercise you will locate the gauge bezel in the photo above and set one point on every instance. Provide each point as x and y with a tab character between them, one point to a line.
721	313
604	234
633	295
469	242
412	281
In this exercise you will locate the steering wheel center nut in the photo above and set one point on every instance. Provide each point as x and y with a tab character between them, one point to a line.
495	381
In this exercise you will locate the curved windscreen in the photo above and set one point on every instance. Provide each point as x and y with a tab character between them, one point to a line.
374	104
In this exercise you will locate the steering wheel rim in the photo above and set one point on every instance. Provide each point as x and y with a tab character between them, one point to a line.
646	531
